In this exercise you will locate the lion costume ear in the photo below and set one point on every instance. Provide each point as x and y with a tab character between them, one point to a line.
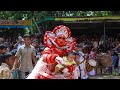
48	37
61	29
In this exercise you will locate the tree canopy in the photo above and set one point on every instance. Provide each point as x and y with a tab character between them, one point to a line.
18	15
37	16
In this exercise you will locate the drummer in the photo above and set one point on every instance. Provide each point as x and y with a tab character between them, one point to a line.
82	62
92	56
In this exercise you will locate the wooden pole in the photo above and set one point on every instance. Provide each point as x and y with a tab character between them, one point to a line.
104	36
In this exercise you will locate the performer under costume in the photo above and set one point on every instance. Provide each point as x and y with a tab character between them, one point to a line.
68	68
58	42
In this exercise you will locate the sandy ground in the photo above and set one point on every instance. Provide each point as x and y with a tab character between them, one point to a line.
107	75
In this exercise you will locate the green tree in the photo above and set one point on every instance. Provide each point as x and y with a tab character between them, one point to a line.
41	15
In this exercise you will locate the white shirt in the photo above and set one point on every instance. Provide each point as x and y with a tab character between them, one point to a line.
95	44
76	72
19	45
81	53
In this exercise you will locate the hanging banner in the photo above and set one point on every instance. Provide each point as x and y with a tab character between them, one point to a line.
86	18
15	23
14	26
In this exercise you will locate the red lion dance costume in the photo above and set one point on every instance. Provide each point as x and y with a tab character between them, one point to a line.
58	43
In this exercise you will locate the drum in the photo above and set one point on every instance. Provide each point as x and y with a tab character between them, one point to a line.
106	61
90	64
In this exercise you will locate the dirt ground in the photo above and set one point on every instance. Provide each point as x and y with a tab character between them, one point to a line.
106	75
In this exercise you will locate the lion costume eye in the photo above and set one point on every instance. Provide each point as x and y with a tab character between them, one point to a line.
61	38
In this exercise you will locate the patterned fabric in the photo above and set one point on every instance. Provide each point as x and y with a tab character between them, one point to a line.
88	67
54	45
83	68
67	63
5	72
50	40
92	55
40	71
70	66
76	73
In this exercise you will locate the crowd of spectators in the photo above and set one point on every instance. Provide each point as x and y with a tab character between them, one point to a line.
93	41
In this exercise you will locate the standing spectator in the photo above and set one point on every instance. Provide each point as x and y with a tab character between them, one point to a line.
95	44
2	40
115	59
5	67
109	69
15	72
117	48
19	43
3	49
25	54
35	44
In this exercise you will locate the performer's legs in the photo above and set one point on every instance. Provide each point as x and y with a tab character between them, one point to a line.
80	73
22	75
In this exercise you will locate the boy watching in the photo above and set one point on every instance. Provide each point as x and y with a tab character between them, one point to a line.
5	67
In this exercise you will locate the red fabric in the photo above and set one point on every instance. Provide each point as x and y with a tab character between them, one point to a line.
39	76
53	58
49	51
60	41
51	37
50	59
71	68
51	67
56	51
61	53
46	39
59	27
53	51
